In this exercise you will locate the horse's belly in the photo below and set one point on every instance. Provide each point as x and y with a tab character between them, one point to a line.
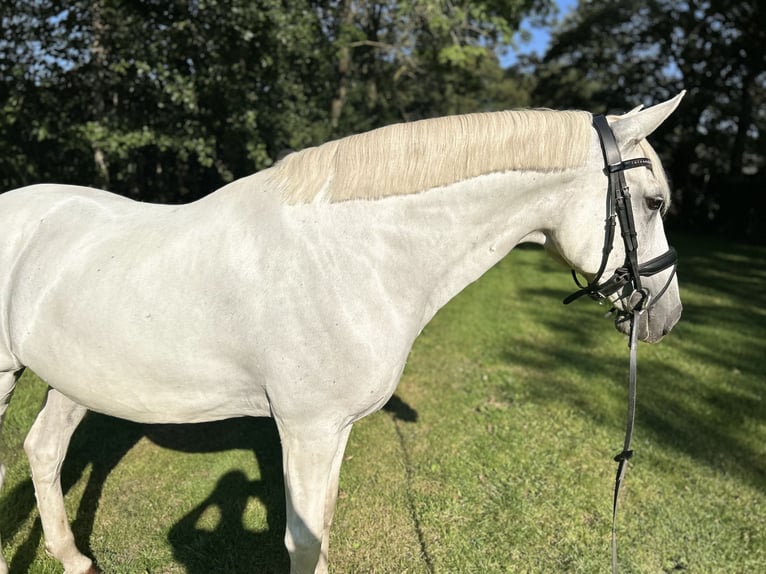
163	393
140	356
149	362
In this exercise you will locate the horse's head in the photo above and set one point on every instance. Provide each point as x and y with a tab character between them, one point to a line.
637	272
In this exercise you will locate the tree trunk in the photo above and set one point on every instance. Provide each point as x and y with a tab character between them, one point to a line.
98	55
344	66
743	124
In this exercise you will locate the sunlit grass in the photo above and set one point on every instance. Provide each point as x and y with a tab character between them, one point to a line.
495	457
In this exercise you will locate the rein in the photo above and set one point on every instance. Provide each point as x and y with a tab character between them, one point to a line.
627	278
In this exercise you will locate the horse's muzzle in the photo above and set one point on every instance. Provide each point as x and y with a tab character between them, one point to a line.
653	324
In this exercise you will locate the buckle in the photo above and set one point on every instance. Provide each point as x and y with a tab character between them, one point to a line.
633	304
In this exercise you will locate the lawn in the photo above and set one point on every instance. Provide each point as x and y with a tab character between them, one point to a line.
493	456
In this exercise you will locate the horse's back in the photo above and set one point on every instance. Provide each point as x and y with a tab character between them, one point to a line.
44	227
26	211
36	200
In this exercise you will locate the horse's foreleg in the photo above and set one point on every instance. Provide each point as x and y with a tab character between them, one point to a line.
7	385
332	498
311	460
46	446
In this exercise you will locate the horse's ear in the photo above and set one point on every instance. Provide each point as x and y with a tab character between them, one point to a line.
632	127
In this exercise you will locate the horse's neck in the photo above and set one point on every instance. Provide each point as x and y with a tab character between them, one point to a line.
429	246
478	223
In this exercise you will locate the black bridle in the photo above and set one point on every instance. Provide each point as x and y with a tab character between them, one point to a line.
619	208
626	279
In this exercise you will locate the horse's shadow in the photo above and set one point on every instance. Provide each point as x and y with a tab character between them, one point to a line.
101	442
231	546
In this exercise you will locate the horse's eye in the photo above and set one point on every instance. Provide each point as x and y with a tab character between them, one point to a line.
655	203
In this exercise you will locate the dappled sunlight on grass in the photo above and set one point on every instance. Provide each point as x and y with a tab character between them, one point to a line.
549	384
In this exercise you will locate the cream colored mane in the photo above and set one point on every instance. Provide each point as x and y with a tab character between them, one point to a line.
413	157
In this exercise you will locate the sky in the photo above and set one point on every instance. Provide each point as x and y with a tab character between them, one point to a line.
541	37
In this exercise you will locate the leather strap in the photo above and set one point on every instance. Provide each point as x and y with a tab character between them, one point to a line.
660	263
621	277
623	457
619	208
619	189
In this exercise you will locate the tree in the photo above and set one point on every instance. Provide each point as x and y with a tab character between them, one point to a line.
160	100
31	60
610	56
408	60
167	100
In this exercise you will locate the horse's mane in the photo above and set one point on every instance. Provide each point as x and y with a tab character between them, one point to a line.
412	157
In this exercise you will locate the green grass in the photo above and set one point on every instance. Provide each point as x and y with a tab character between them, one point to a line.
495	457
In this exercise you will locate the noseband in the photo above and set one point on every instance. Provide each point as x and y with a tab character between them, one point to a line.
619	208
636	299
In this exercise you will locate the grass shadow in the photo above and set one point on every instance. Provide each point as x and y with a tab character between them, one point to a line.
23	497
231	546
701	388
101	442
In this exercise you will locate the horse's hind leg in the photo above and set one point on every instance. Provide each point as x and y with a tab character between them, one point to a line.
7	385
46	446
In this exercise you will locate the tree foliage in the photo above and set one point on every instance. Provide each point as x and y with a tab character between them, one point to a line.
608	56
167	100
158	100
408	60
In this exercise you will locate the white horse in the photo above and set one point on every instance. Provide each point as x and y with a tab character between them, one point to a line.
295	293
